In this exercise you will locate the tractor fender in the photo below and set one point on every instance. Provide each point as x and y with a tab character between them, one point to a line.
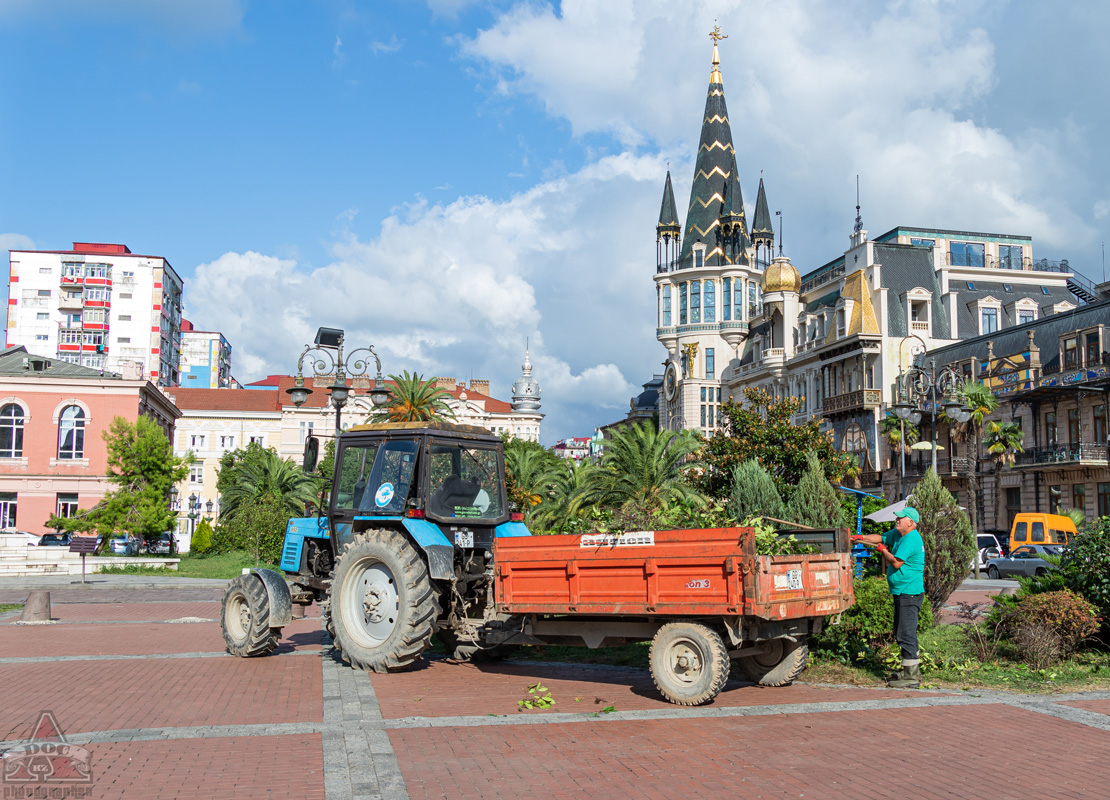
436	546
280	599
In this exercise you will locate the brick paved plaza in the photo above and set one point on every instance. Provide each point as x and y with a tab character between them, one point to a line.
140	680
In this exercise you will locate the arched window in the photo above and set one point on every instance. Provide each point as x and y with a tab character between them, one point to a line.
855	441
11	431
71	433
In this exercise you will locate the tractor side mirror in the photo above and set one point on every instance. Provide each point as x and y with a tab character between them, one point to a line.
311	454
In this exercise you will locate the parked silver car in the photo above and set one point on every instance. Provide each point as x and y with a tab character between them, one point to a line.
126	545
164	544
1024	561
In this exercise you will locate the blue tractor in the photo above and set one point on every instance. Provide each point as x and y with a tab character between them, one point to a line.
404	551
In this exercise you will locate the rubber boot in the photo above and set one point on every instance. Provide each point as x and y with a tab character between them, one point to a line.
897	675
911	678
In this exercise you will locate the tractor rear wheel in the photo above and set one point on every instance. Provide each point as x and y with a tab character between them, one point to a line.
689	663
381	603
781	663
245	618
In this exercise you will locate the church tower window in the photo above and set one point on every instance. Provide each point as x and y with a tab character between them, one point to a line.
695	301
726	299
666	306
682	303
710	291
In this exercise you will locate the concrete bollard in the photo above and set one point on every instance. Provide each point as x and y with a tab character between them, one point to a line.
298	611
37	607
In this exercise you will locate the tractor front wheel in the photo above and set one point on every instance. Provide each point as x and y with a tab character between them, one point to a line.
381	604
689	663
246	618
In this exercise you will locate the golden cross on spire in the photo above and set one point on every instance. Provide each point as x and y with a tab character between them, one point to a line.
716	36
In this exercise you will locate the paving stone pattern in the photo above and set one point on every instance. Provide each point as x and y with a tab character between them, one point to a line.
166	713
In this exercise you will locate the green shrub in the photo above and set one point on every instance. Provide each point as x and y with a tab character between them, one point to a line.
1086	564
753	493
202	539
1062	618
869	623
225	539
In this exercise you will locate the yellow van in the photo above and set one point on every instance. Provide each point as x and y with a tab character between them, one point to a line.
1041	529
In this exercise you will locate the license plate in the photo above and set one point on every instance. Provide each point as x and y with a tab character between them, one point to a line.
794	579
464	538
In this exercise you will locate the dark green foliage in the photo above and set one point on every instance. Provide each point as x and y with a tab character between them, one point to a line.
1086	564
413	399
202	538
529	469
754	493
849	508
815	502
869	624
258	527
946	533
259	473
762	428
141	468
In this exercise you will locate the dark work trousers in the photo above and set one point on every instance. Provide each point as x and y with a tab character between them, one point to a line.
907	608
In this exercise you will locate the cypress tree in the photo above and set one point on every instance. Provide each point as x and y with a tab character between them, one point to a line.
754	493
815	502
946	533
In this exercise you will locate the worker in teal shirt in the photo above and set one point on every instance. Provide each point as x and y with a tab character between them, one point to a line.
903	553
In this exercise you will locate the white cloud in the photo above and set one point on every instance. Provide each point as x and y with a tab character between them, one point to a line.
392	46
188	87
454	289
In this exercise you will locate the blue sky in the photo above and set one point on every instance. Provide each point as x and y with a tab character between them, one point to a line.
446	179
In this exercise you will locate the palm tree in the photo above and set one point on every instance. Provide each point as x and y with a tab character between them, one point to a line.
566	485
267	473
981	400
413	399
643	466
529	473
1004	442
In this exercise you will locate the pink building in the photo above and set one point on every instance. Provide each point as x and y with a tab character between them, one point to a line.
53	458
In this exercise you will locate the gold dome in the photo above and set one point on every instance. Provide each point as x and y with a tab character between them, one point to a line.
781	276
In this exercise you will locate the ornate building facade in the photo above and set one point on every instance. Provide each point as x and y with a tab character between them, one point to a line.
732	313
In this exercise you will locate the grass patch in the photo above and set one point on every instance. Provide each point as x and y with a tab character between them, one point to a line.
6	607
948	662
223	565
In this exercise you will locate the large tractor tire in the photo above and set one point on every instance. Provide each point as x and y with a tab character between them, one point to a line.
779	665
689	663
381	603
245	618
325	618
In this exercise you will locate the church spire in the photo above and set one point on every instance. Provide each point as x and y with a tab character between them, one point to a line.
526	391
715	174
668	232
763	229
733	232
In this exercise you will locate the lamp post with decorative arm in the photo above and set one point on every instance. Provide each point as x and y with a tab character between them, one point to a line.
325	357
922	385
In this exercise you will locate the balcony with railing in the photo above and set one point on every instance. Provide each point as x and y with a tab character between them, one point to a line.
69	301
1074	453
822	278
1080	361
859	400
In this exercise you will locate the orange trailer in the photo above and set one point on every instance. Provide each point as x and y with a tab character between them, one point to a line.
703	597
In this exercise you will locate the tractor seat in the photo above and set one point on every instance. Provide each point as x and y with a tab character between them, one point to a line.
454	492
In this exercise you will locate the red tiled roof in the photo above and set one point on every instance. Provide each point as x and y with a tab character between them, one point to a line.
226	399
319	396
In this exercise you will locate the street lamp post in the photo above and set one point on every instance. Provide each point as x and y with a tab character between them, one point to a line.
921	385
325	357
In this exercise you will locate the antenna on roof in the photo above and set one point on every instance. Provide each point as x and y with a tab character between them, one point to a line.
779	215
859	219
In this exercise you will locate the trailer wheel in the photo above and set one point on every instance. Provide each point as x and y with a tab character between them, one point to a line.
245	618
689	663
779	665
381	603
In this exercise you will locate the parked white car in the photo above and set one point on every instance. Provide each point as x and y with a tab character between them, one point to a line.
989	547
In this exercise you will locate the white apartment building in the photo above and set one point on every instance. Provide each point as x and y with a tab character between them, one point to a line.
97	305
205	358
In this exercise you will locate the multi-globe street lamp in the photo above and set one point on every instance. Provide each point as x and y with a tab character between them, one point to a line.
325	358
923	385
